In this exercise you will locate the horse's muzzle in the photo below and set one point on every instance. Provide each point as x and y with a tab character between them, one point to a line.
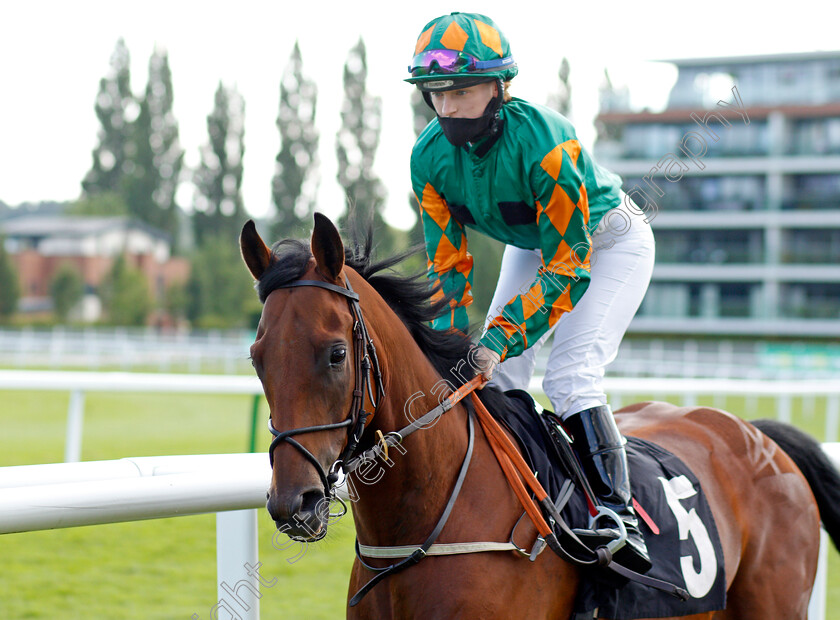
300	515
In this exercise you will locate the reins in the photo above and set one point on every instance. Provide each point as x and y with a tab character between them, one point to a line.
513	465
396	437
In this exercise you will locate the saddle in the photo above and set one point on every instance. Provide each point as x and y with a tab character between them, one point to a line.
675	518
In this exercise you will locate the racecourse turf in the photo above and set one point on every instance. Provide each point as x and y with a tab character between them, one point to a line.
165	569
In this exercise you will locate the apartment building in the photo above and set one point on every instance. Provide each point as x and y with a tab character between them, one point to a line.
740	175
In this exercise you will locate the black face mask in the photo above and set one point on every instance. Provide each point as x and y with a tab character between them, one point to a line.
459	131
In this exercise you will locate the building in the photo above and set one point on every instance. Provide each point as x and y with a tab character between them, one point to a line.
40	244
740	174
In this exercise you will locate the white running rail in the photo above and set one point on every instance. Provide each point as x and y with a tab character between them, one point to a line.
233	485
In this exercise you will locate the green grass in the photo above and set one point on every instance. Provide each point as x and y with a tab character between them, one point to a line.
166	568
161	568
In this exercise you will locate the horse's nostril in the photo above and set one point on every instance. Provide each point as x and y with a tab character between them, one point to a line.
312	502
283	510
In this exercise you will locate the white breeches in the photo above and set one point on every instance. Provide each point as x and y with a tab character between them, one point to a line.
587	338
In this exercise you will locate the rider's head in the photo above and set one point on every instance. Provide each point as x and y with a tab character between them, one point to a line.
456	52
460	50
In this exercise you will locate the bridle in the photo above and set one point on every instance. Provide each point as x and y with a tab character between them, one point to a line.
366	364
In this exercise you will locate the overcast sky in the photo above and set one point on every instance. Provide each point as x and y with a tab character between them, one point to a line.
53	54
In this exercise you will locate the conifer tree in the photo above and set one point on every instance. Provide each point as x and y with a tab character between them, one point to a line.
138	159
115	108
562	99
611	99
356	144
218	208
296	169
219	291
157	156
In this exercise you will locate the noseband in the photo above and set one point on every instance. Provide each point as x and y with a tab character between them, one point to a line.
366	364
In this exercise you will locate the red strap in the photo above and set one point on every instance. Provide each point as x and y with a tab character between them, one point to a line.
645	517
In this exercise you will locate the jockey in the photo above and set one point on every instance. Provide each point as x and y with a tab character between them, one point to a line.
578	256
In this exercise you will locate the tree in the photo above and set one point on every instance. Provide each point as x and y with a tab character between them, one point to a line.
66	289
295	174
126	295
9	284
219	288
175	301
139	157
115	108
156	155
356	144
218	208
562	99
611	99
106	203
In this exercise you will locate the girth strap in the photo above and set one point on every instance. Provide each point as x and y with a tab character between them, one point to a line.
436	549
421	552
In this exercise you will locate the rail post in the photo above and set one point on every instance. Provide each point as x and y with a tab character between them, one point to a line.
75	424
237	563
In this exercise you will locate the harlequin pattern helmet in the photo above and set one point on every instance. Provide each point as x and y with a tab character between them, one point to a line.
460	50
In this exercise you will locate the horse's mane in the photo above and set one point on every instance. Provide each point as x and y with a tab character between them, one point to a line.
409	296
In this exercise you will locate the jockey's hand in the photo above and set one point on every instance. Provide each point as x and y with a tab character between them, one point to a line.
486	361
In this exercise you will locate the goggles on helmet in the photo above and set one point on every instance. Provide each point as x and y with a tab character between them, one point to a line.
453	62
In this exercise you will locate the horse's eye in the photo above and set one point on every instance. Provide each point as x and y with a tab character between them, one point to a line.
337	355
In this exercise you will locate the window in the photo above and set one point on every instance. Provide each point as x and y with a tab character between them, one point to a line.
813	192
811	301
811	246
713	247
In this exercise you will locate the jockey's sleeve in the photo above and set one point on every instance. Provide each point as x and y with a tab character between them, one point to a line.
562	219
449	263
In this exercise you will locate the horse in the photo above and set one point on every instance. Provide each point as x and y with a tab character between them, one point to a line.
346	356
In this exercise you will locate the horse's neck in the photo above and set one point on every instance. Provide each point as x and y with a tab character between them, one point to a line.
417	477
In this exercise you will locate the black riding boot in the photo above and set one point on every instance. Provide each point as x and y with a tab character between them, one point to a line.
600	448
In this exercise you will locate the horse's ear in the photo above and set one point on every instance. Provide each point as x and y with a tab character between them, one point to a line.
255	252
327	248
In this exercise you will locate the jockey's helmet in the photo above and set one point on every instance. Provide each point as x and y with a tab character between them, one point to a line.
460	50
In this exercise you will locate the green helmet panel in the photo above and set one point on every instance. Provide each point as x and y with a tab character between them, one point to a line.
461	49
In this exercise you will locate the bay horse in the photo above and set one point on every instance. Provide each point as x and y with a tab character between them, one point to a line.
342	339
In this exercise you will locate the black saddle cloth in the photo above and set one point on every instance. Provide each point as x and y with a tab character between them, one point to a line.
679	529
